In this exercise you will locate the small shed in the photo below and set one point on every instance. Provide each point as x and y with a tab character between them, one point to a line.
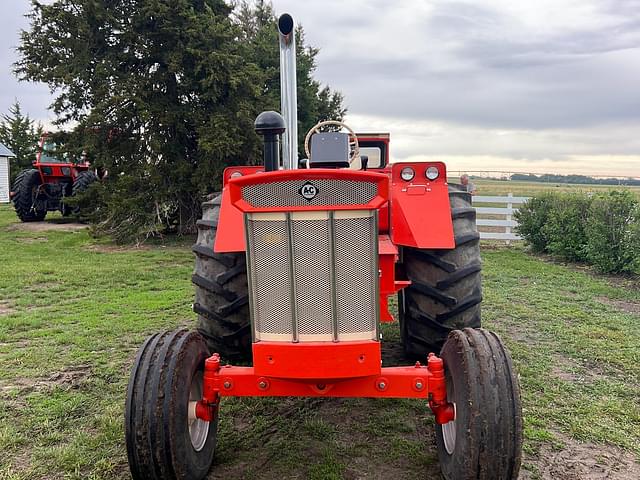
5	155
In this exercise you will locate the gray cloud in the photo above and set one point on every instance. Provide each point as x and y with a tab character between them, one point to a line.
34	98
563	75
481	64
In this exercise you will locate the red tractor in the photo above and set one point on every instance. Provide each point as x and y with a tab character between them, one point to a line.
294	268
53	178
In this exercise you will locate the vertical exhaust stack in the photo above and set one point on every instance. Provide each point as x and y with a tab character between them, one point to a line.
288	93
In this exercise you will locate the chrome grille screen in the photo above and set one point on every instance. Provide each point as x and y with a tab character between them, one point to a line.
329	192
357	301
313	276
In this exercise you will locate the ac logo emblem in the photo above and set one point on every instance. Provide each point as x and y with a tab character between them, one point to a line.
308	191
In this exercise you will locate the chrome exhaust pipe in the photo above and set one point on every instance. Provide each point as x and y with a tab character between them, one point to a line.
288	93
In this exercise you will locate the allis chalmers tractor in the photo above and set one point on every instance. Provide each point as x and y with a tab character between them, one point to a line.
295	262
44	187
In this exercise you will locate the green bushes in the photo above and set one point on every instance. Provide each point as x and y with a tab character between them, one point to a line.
603	229
532	218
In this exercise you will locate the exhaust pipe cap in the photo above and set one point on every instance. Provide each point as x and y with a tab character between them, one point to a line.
285	24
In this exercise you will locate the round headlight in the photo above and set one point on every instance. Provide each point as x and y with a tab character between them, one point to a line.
432	173
407	174
236	174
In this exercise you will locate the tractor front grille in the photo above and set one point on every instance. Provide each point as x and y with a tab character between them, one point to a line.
330	192
313	275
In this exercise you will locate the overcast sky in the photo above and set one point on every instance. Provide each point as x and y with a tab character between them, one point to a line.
538	86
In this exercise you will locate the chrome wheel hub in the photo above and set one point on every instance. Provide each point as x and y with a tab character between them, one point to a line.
198	429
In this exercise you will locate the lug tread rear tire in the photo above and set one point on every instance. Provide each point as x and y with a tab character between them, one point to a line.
488	444
23	187
221	291
446	289
82	182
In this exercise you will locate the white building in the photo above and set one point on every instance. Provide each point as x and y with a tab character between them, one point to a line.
5	155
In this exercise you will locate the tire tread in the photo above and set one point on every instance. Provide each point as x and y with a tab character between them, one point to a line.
446	289
222	300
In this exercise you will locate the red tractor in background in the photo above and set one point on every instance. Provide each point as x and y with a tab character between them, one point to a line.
295	261
53	178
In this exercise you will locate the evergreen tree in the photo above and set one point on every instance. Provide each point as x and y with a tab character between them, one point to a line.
20	134
164	95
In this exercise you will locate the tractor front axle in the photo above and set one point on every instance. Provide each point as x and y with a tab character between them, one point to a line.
417	381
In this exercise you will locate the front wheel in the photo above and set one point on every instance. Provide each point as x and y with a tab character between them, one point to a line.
163	442
485	439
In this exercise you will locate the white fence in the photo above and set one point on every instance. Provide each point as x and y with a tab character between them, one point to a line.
507	223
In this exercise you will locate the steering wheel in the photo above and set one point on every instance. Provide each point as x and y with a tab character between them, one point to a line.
353	139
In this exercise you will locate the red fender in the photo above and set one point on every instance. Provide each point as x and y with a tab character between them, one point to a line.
420	209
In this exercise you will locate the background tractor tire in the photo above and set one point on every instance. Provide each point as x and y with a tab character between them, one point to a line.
446	289
484	442
25	186
221	291
83	181
80	184
162	443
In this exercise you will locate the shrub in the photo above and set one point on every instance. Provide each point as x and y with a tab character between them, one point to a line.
603	230
565	227
613	232
532	217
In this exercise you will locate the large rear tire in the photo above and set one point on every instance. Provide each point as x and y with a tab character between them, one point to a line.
220	281
82	182
446	290
25	188
163	443
484	442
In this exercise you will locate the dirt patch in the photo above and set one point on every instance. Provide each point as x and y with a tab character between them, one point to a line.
495	245
364	439
47	227
33	240
626	306
116	248
573	371
70	377
19	462
564	368
67	379
6	308
16	344
516	331
581	461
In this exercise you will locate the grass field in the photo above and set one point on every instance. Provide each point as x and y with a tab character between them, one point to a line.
527	189
73	312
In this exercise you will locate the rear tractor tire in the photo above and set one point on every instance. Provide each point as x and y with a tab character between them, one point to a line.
484	441
26	189
82	182
163	443
221	289
446	290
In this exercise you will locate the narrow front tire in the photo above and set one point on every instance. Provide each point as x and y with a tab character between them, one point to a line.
163	442
484	442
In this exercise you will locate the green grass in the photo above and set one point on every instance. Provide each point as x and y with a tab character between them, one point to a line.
73	312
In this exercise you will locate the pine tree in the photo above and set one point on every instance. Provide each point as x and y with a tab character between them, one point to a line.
20	134
164	95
